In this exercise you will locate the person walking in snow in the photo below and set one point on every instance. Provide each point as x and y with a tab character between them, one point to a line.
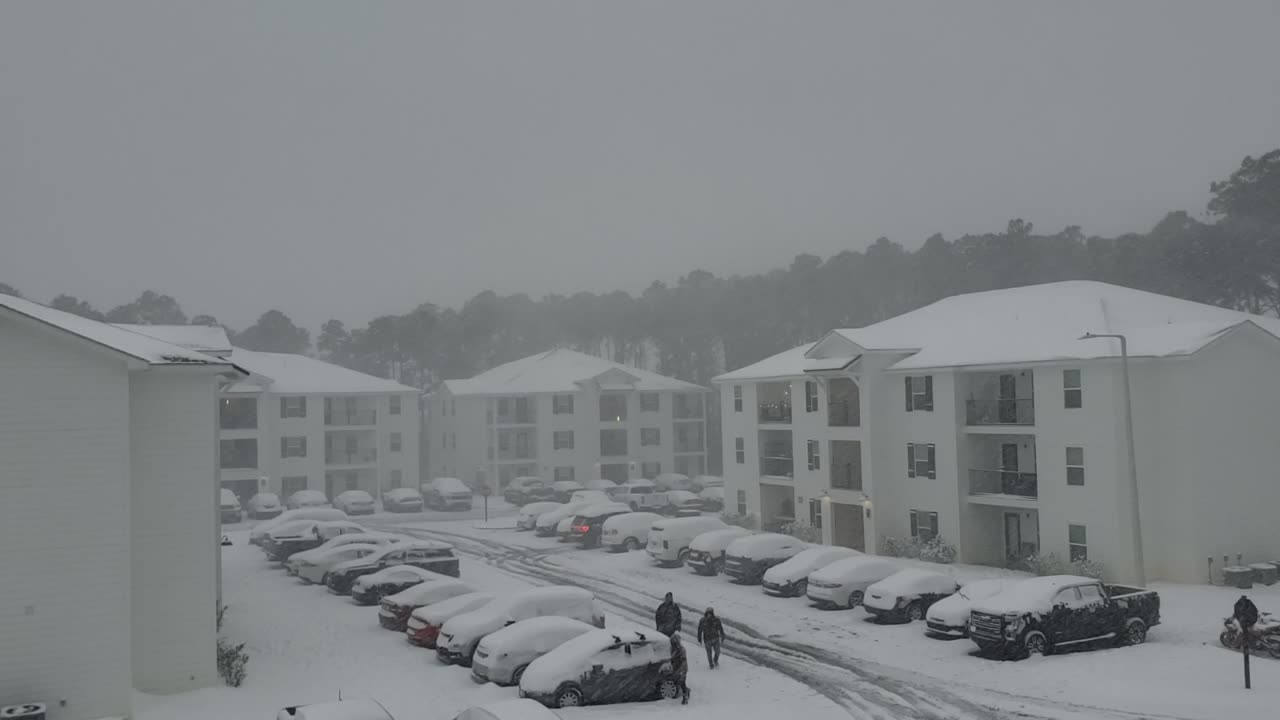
680	666
667	617
710	635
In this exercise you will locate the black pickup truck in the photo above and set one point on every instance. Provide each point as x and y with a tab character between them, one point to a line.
1037	616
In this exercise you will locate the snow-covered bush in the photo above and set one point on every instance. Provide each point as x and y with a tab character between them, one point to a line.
1051	564
747	521
934	550
802	532
232	659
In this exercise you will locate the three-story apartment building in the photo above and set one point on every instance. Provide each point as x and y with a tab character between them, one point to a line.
565	415
991	421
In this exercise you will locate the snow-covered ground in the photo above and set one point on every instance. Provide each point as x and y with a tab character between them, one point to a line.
784	656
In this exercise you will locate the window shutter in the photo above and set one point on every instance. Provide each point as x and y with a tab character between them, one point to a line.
928	392
284	447
933	467
906	382
915	527
302	401
911	460
304	446
284	411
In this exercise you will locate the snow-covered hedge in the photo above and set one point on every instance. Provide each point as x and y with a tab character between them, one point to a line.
747	521
934	550
802	532
232	659
1051	564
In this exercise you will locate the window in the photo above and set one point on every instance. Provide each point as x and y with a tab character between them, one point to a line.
650	470
395	404
919	392
1090	594
238	413
742	502
921	460
444	441
504	442
453	407
453	440
1077	543
295	406
238	453
504	406
561	404
613	407
352	481
740	450
397	478
815	514
810	396
815	461
649	402
562	440
613	442
650	436
564	474
924	525
522	444
737	398
1075	466
1072	391
1066	597
291	484
395	442
293	447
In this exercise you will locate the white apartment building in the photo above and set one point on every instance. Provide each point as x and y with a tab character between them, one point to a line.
298	423
989	420
108	513
565	415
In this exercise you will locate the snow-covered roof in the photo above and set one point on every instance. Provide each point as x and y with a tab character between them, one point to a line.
913	581
563	371
136	345
288	374
429	591
535	631
522	709
788	363
447	609
208	339
1031	595
754	546
855	568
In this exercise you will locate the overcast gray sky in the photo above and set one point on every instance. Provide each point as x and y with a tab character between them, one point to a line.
355	158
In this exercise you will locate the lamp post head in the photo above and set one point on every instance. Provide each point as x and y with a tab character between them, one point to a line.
1087	336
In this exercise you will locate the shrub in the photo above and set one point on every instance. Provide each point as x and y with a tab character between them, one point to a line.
934	550
1051	564
232	659
801	531
747	521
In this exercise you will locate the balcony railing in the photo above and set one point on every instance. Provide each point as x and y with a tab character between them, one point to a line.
777	467
775	412
342	457
358	417
1001	411
843	413
1002	482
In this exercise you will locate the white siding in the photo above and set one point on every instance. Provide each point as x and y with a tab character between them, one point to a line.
64	524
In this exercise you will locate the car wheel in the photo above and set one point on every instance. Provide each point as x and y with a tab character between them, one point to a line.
801	588
569	697
631	545
717	566
517	674
855	599
1135	632
682	557
635	507
668	689
1035	643
915	611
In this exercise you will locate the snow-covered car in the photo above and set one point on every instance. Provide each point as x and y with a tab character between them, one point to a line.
671	541
501	657
791	578
366	538
307	499
264	506
370	589
261	530
712	499
229	510
949	617
352	709
591	497
702	482
526	489
549	521
434	556
288	532
522	709
603	666
562	490
528	517
746	559
402	500
394	610
307	535
673	481
587	525
682	503
628	531
317	566
425	622
460	636
844	583
908	594
355	502
447	493
642	495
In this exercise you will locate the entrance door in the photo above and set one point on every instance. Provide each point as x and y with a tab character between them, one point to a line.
1008	467
1012	537
1008	400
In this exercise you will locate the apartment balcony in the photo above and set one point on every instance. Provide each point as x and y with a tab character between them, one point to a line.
1000	412
775	412
364	456
688	407
777	466
1003	487
355	418
843	403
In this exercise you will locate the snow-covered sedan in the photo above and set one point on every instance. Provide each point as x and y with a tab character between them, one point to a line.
548	521
629	531
402	500
355	502
264	506
522	709
746	559
791	578
280	546
844	583
603	666
528	517
394	610
949	617
562	490
315	568
307	499
683	503
501	657
367	538
261	530
460	636
907	594
712	499
229	510
370	589
424	623
706	549
428	555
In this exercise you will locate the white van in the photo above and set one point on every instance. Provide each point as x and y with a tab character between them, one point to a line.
641	495
669	540
460	636
629	531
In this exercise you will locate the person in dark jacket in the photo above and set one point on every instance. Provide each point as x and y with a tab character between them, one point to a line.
667	617
680	666
710	635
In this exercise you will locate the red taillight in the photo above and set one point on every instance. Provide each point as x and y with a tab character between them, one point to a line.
580	528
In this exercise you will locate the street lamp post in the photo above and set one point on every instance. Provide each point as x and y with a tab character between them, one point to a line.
1136	520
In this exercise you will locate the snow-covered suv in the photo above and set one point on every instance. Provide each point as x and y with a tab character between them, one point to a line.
641	495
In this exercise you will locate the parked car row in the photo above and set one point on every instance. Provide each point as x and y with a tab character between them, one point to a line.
441	494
